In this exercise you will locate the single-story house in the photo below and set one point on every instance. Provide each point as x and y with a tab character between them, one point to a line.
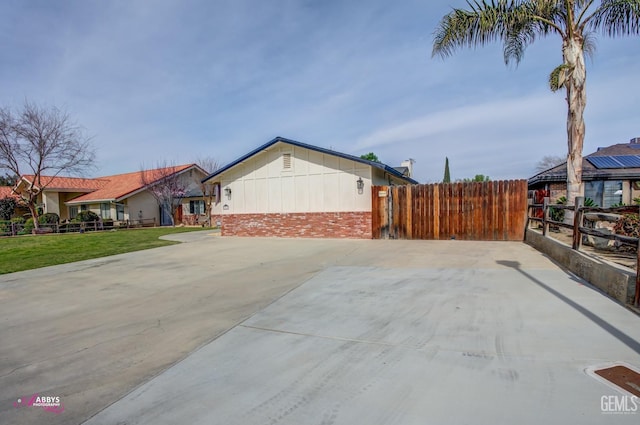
611	175
291	189
121	197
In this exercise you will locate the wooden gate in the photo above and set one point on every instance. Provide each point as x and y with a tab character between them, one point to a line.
488	211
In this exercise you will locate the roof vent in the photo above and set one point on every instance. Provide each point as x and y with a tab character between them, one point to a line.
286	161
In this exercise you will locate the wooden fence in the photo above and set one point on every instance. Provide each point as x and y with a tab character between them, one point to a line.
8	228
489	211
579	230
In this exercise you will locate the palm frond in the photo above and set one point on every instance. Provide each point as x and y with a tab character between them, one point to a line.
616	18
558	77
516	23
589	44
481	24
517	41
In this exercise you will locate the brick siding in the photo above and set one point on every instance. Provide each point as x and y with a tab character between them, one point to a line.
354	225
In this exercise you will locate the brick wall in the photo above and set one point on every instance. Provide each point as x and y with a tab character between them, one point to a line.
556	191
355	225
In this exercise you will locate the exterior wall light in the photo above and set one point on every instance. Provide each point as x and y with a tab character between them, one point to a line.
227	191
360	185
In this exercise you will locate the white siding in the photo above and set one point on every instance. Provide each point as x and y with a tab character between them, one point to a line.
315	182
144	202
51	202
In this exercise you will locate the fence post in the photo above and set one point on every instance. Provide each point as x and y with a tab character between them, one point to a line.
577	222
545	216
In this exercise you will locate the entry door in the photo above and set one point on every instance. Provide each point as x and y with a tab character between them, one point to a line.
165	215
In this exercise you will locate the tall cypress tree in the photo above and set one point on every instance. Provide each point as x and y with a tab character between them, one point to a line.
447	176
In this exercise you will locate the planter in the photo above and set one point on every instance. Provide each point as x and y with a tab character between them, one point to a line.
42	231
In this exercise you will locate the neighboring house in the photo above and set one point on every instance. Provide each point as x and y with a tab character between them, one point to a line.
7	192
611	175
121	197
292	189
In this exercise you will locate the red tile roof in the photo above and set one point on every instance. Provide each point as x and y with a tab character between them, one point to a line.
69	184
7	192
108	187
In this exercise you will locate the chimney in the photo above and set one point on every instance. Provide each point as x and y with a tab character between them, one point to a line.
635	141
409	164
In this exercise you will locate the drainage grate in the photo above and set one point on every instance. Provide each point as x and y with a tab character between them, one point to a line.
621	375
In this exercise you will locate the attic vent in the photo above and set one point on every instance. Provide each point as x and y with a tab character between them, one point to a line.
286	161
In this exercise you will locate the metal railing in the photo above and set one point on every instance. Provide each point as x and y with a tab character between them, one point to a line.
578	228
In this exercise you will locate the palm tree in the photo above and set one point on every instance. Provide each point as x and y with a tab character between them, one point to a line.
517	23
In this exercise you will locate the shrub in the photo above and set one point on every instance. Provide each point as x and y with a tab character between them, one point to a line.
86	216
28	227
5	227
558	214
18	220
7	207
49	218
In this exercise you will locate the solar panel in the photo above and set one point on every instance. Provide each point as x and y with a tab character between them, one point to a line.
604	162
629	160
618	161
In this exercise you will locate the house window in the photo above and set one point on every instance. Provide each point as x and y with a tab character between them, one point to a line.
286	161
73	212
196	207
119	212
216	193
604	193
612	194
105	210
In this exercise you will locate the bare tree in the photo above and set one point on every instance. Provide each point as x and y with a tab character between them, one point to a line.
209	165
43	142
166	185
549	161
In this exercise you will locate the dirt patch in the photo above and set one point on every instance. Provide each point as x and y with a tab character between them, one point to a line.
617	256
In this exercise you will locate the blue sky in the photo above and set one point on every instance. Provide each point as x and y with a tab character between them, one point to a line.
161	80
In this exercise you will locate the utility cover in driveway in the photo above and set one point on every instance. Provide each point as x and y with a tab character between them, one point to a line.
621	376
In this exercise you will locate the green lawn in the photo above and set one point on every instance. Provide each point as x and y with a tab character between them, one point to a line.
31	252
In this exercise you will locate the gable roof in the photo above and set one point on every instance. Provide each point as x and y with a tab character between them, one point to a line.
590	171
108	188
272	142
121	186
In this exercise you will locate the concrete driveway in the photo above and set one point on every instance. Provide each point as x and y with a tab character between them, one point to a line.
230	330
